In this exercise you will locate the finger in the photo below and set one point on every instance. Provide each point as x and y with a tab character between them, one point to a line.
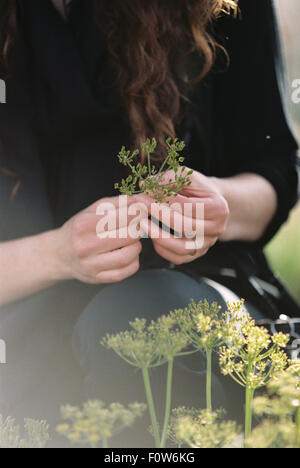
113	202
210	232
181	246
185	247
109	219
113	240
91	244
168	177
115	276
215	205
192	200
127	215
117	259
177	259
180	222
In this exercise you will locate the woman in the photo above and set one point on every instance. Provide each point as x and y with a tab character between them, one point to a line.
84	78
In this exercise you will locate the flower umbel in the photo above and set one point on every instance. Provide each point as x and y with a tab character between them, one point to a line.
95	424
145	346
149	346
251	356
34	436
202	429
150	180
281	407
205	328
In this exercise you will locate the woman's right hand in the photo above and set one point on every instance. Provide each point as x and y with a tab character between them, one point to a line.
85	255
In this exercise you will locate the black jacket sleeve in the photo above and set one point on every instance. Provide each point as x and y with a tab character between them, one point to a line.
251	107
28	213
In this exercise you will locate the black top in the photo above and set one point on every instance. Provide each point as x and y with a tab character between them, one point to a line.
63	123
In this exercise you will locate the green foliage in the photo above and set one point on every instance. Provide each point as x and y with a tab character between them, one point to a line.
95	424
268	435
283	253
281	408
203	324
251	356
247	353
34	435
146	178
203	429
148	346
206	329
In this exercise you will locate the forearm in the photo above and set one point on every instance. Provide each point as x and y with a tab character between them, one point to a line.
28	266
252	204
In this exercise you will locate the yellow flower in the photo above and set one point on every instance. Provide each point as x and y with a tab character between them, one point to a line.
107	433
94	438
63	428
74	436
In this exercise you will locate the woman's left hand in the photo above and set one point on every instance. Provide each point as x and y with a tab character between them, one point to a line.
199	213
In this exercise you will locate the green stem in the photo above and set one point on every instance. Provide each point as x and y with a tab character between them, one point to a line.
208	380
151	406
298	428
104	442
162	166
149	163
248	412
168	403
132	168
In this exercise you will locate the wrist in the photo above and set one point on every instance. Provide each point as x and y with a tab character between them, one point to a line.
220	186
223	188
55	264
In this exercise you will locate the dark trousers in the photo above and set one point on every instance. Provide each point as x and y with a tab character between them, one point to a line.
55	357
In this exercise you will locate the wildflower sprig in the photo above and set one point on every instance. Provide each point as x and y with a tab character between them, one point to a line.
251	356
95	424
203	324
149	346
281	407
150	180
34	435
171	342
205	327
203	429
137	346
286	385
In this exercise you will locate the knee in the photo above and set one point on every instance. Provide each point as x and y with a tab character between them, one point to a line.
87	335
107	313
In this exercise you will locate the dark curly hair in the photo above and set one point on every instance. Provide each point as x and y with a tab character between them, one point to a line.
147	41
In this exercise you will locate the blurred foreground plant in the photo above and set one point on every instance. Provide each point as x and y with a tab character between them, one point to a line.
147	347
35	434
247	353
203	429
251	356
281	407
95	424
